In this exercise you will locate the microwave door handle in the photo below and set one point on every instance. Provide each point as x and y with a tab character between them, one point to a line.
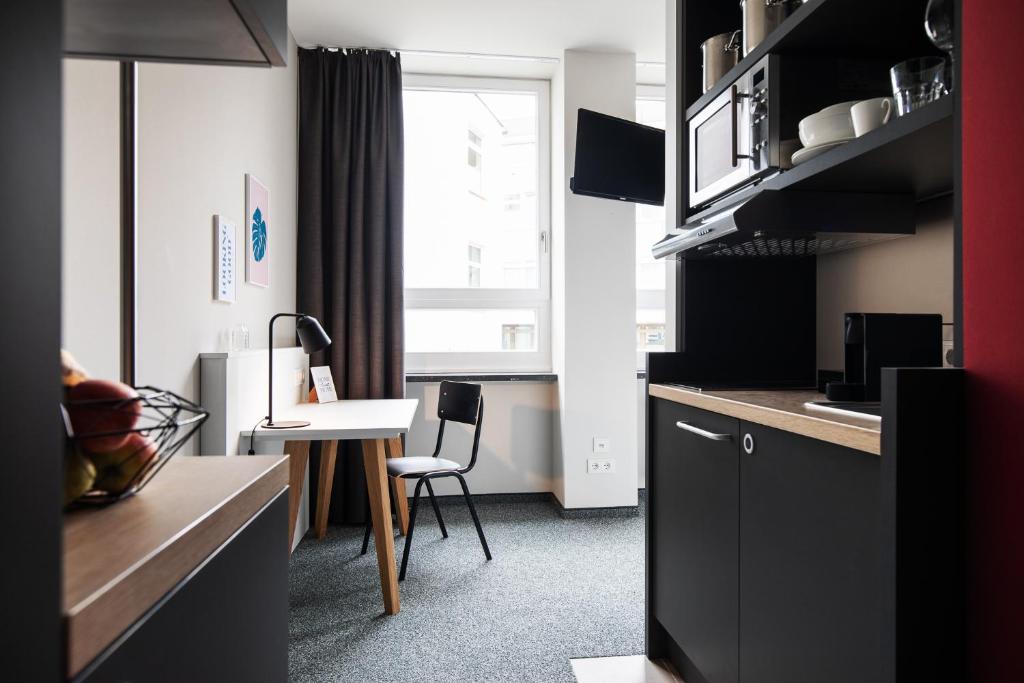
734	101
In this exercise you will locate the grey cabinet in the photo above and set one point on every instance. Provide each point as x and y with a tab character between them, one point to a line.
226	621
695	496
810	568
765	561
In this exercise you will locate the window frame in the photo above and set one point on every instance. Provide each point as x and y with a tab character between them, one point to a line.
650	299
537	299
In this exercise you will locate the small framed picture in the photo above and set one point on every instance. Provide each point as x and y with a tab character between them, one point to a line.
223	260
257	232
323	383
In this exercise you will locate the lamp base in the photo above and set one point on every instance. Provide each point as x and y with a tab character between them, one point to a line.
285	424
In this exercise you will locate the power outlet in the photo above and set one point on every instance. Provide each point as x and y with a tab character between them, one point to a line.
600	466
601	445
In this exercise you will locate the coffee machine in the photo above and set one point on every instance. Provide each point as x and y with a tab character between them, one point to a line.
884	340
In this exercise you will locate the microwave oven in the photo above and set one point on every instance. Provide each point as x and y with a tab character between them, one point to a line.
734	139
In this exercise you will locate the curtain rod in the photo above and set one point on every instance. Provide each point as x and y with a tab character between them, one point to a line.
449	55
475	55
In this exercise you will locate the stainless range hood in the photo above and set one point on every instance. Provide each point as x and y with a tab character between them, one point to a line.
781	223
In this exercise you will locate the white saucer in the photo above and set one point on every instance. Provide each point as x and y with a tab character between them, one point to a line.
805	153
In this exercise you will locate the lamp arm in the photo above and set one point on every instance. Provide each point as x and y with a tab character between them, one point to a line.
270	370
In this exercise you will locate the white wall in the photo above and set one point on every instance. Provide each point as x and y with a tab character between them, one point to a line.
906	275
673	214
201	128
90	295
594	297
641	433
558	246
515	444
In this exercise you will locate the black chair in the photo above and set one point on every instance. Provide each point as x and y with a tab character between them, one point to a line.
459	402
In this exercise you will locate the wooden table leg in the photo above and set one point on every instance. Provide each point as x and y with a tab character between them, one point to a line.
398	486
380	512
298	460
325	482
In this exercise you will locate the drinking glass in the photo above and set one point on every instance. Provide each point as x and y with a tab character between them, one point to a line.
240	338
916	82
938	24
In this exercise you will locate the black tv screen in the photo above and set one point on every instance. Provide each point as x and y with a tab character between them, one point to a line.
618	159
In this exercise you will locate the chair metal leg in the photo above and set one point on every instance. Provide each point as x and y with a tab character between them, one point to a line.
437	510
472	511
412	526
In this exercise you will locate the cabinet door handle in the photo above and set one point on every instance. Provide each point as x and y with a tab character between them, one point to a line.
686	426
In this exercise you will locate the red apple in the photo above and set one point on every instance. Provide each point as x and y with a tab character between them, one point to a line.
108	407
115	469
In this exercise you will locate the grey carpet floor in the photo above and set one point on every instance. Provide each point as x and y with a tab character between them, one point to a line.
556	589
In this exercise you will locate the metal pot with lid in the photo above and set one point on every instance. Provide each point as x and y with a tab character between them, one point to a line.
719	54
761	17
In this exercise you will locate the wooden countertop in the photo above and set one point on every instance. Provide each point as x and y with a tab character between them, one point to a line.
782	409
121	559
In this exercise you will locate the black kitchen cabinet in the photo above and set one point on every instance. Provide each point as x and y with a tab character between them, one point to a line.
695	483
226	621
810	567
765	563
848	566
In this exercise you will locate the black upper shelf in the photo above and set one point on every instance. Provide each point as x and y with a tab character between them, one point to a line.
912	154
838	28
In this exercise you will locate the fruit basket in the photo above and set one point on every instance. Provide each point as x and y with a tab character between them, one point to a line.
122	443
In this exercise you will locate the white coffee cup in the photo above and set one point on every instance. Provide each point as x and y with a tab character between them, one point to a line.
871	114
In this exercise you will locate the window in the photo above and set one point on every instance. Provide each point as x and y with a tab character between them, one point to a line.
476	265
650	227
475	251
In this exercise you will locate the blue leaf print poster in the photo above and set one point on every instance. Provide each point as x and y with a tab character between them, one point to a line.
259	235
257	240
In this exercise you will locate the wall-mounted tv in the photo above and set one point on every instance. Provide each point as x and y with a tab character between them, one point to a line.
618	159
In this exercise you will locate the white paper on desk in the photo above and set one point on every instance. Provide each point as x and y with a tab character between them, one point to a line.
324	384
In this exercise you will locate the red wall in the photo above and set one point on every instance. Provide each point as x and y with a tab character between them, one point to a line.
993	290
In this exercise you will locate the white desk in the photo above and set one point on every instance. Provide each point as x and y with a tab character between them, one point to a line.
379	424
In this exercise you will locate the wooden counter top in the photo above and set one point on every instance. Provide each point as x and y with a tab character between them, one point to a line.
121	559
782	409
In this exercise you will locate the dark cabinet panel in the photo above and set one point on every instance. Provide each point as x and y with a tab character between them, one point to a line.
694	489
227	621
810	566
30	279
249	32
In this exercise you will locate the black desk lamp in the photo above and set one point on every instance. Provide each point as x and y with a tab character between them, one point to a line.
313	339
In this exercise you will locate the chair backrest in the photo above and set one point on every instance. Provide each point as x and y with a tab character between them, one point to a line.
460	402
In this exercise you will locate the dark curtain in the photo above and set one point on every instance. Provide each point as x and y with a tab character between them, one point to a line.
350	235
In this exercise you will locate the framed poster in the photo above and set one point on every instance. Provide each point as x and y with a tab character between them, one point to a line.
223	260
257	232
324	384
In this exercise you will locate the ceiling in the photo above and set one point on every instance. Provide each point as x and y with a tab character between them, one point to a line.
534	28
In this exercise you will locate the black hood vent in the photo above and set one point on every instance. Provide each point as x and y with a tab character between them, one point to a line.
790	223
